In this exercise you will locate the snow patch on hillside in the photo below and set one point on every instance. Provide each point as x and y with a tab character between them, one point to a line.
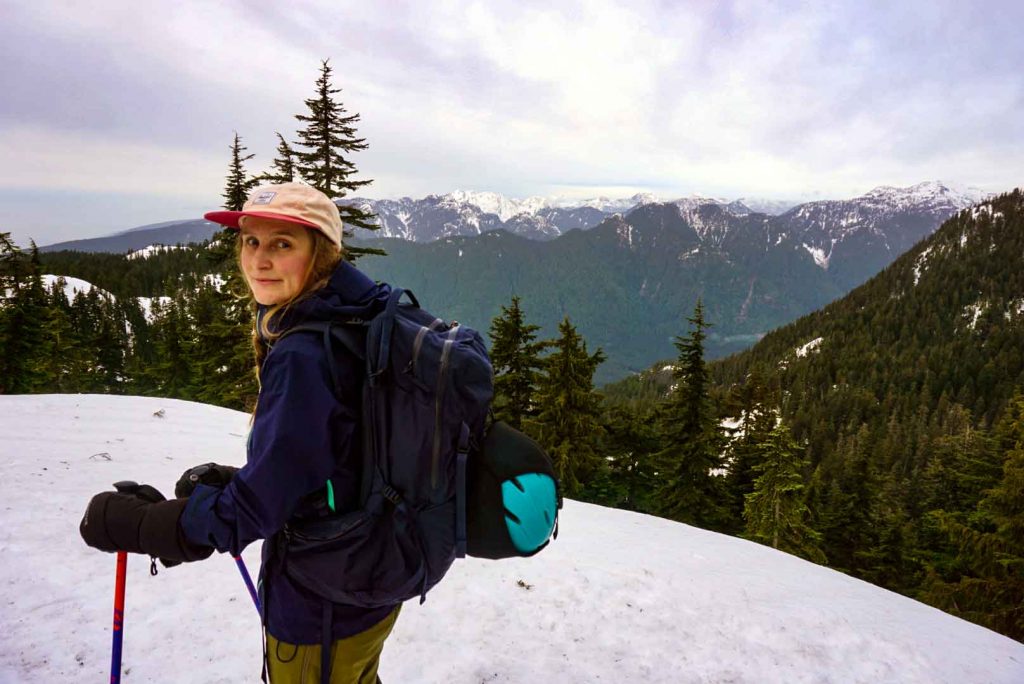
146	304
972	312
1015	309
73	286
819	256
920	263
151	250
809	347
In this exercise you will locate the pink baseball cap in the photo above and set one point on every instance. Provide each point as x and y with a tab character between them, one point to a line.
290	202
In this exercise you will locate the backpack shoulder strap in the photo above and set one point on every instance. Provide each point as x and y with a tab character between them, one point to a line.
350	334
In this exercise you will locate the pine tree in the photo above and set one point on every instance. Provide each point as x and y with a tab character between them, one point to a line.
990	588
690	461
568	424
221	352
171	374
63	361
751	405
10	284
625	476
775	511
283	168
238	185
10	266
329	133
22	332
515	356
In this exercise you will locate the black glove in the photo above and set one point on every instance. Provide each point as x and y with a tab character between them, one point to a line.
211	474
136	518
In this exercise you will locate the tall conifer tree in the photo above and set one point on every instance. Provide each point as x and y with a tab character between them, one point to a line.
568	423
326	144
25	314
515	354
690	461
238	185
775	512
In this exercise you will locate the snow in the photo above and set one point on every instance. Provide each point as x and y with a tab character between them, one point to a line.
1015	309
972	312
820	258
920	263
216	280
809	347
149	251
146	303
73	286
929	192
618	597
495	203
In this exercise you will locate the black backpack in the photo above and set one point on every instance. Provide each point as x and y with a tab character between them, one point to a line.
440	479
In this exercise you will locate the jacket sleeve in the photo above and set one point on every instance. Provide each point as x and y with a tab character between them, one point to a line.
299	429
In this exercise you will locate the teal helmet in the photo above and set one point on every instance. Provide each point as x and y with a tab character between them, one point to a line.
531	510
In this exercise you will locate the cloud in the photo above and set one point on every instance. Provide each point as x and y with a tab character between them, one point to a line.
725	98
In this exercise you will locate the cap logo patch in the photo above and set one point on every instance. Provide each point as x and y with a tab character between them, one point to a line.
264	197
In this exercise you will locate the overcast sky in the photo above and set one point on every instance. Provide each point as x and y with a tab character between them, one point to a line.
118	114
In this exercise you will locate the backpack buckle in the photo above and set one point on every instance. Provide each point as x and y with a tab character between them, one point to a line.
391	494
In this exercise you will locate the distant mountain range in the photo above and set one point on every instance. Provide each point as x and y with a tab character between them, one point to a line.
473	213
187	231
630	282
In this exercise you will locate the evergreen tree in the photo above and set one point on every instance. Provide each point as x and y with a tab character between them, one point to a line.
754	417
990	589
238	185
10	284
690	461
283	168
22	330
568	424
775	511
63	362
625	476
171	373
221	352
840	497
515	356
10	270
328	133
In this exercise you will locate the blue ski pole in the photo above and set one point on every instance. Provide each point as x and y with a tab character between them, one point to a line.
248	583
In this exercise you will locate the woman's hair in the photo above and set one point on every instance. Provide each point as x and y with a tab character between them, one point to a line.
326	257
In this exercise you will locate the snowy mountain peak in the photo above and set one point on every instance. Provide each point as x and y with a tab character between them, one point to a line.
933	193
607	204
496	203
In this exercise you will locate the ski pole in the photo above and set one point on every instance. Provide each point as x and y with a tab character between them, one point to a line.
248	583
118	629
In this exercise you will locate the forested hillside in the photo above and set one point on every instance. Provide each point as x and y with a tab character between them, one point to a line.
900	400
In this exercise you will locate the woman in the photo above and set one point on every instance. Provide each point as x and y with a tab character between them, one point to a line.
303	454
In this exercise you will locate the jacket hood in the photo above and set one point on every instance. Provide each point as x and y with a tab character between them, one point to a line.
348	294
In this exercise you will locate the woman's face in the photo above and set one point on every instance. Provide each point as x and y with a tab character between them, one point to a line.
275	258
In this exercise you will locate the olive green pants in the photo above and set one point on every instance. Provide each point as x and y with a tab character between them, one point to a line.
354	660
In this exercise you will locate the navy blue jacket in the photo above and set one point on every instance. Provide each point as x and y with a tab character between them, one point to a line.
303	433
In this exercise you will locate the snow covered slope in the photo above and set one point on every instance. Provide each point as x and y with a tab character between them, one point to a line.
619	597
